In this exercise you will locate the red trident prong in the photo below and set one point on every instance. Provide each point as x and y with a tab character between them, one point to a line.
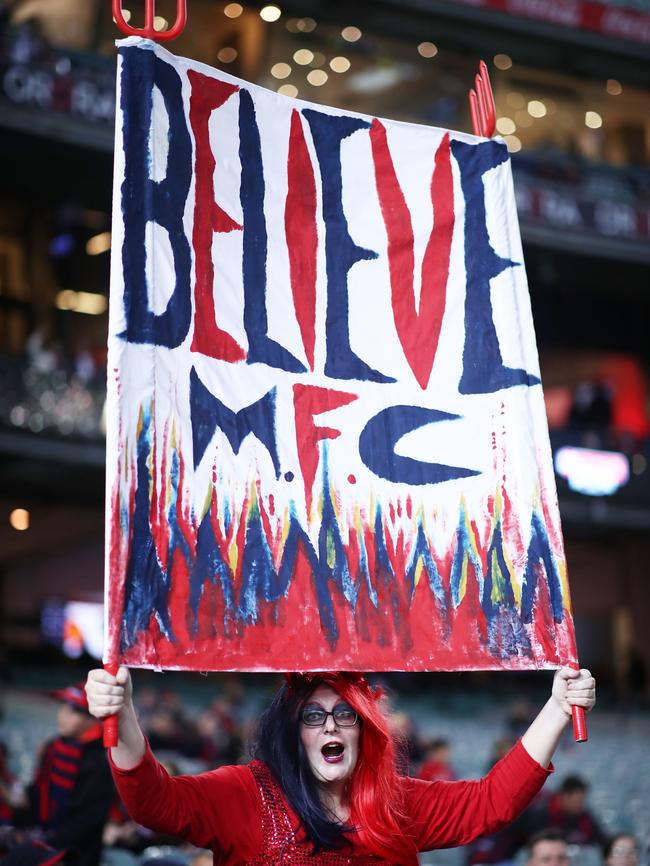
148	31
481	104
473	110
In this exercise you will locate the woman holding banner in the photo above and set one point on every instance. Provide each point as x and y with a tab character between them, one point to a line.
323	788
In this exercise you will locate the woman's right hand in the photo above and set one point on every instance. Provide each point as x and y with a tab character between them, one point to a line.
107	694
110	695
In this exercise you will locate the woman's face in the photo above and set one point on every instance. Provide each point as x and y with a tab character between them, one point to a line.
624	852
332	750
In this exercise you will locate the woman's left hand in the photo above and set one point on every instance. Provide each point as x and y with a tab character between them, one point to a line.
572	688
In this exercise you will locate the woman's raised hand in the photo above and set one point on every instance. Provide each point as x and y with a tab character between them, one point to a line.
107	694
572	688
110	695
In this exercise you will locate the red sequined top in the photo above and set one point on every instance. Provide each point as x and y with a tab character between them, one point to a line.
240	814
281	843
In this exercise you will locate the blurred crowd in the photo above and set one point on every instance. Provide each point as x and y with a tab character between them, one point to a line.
70	813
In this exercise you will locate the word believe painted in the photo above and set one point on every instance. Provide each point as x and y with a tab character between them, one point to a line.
275	262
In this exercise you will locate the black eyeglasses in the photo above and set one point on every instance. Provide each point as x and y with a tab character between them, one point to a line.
314	717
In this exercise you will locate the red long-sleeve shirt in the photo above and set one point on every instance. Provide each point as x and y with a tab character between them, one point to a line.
222	810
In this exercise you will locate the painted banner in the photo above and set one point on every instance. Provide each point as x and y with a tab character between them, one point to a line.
327	445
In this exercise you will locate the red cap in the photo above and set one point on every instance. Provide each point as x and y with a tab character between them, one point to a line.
75	695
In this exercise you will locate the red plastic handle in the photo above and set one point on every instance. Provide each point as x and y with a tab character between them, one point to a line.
110	722
578	719
579	724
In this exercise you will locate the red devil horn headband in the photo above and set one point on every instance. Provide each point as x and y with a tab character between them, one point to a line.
302	682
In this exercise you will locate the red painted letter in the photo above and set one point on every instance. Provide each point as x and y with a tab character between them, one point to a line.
418	331
310	400
209	339
302	239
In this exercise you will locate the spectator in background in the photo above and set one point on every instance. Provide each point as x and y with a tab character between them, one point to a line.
566	811
436	766
6	783
547	848
72	789
500	748
621	850
123	833
411	752
214	740
35	853
520	716
501	847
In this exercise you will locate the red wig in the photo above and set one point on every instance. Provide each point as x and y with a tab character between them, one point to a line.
375	790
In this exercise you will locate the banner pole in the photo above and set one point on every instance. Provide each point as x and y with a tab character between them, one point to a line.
579	720
110	722
483	114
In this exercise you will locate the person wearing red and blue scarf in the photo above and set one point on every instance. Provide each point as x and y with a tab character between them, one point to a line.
72	789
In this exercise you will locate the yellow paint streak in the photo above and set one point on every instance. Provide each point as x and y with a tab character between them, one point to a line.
462	586
151	469
498	504
285	527
497	580
233	556
331	552
335	502
564	583
358	525
419	568
207	502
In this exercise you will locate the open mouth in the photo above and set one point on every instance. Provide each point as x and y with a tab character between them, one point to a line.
333	752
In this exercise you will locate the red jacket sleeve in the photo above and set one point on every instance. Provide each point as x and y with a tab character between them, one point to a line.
219	810
446	814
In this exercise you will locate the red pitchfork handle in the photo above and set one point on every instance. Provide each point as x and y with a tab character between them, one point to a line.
110	722
579	721
579	724
483	113
148	31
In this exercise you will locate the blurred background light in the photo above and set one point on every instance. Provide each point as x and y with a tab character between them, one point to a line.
427	49
592	472
536	108
339	64
351	34
303	56
19	519
280	70
505	125
233	10
98	244
227	54
317	77
593	120
90	303
270	13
